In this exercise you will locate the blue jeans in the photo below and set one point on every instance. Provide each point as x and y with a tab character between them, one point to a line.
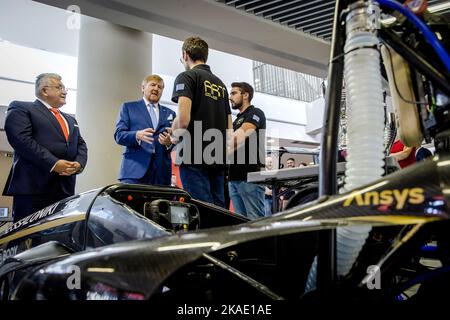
204	184
247	198
268	206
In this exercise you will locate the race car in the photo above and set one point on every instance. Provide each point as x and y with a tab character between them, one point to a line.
145	242
383	241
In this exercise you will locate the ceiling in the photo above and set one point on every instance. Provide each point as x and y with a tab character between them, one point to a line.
224	28
314	17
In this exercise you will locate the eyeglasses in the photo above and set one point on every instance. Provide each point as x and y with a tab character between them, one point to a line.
59	88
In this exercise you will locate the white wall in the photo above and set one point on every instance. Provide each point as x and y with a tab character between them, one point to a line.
314	113
229	68
281	109
35	25
4	145
24	64
5	166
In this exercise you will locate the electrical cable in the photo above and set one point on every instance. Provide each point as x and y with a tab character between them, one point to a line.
395	82
429	36
354	49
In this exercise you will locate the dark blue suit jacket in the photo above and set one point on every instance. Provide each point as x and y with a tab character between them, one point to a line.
136	159
39	142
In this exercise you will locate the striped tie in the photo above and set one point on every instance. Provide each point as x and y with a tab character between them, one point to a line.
152	112
61	122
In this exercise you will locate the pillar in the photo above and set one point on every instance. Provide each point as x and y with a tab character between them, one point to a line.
112	62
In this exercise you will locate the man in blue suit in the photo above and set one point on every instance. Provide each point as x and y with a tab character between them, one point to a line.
142	128
48	148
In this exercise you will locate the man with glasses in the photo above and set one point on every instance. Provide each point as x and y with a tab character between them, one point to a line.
48	148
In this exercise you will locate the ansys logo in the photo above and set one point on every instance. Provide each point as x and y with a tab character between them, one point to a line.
386	197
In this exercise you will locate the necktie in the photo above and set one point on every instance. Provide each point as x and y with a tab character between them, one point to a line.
153	115
61	122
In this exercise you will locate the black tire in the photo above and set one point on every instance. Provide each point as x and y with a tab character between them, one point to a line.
303	197
4	289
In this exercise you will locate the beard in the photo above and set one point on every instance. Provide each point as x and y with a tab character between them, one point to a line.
236	105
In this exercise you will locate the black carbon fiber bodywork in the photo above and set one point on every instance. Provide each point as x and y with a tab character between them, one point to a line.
270	252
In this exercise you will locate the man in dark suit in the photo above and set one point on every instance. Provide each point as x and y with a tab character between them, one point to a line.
48	148
142	128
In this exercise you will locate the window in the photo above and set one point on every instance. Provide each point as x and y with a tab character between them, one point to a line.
286	83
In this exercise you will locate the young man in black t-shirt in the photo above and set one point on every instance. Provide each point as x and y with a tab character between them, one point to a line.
204	115
248	152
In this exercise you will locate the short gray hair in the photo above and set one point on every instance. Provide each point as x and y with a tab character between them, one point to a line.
41	81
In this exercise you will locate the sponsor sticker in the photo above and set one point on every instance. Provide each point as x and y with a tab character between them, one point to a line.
7	253
397	198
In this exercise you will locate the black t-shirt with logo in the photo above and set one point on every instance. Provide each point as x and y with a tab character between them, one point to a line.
210	110
255	145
